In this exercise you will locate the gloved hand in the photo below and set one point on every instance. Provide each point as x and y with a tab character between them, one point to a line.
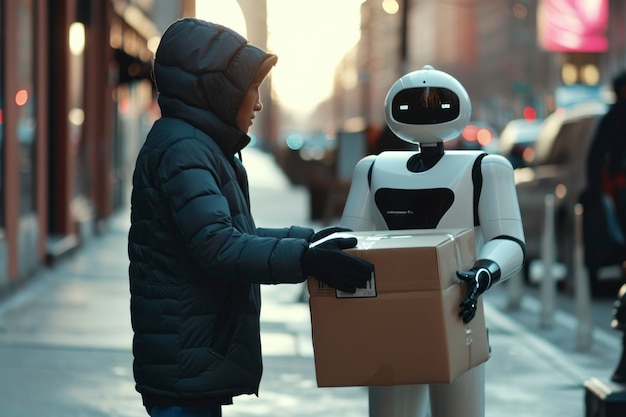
327	231
330	264
478	280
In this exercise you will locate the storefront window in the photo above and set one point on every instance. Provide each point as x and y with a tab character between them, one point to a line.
25	101
76	116
1	121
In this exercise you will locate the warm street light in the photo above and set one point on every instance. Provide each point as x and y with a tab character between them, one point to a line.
569	74
590	74
77	38
390	6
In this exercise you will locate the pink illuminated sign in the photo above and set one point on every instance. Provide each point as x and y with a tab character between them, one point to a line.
573	25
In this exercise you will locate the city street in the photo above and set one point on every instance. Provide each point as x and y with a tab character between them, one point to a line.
65	338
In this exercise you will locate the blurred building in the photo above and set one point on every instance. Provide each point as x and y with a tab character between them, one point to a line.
255	14
76	100
499	49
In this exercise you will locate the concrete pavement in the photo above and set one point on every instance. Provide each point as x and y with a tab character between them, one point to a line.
65	338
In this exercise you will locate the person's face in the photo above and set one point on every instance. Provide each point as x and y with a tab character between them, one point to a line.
249	106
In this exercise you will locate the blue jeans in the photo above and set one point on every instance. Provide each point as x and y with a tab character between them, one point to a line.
186	411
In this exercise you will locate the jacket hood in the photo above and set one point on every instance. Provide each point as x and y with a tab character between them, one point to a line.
202	66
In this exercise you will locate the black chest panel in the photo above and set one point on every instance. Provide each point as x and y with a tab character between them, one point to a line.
413	209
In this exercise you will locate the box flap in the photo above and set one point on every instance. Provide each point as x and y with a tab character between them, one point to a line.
414	260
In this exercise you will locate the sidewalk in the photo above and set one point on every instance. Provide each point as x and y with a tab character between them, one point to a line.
65	339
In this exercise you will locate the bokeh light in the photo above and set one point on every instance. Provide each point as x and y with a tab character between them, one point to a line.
390	6
295	141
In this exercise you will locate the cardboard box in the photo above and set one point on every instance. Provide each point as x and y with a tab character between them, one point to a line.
404	328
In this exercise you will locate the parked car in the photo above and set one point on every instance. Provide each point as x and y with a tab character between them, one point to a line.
558	168
517	141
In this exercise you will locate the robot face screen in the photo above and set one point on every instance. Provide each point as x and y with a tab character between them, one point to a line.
425	105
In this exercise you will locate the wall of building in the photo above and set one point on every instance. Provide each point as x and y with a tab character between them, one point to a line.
492	47
75	103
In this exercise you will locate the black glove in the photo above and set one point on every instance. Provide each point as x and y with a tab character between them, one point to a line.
482	276
329	264
327	231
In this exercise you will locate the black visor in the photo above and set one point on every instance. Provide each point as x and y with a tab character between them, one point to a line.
425	105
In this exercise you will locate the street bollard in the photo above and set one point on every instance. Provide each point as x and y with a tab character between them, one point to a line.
608	398
548	284
581	285
515	289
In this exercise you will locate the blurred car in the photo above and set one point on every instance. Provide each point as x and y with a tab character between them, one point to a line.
309	159
317	146
475	136
517	139
558	168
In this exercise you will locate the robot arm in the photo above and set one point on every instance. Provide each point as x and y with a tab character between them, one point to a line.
357	213
500	218
503	253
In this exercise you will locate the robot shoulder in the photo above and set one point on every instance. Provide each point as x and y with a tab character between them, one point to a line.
366	161
496	162
363	169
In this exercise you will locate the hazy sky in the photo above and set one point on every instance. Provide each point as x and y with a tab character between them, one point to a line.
310	37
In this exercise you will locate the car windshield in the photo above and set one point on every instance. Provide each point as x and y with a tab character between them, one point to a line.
565	141
519	132
528	133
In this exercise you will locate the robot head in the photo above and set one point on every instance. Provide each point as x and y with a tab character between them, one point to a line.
427	106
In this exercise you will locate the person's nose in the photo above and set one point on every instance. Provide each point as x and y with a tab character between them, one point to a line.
258	106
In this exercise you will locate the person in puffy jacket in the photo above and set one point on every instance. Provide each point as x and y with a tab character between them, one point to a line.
197	259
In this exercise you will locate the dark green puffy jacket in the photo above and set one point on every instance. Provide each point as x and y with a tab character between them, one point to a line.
196	256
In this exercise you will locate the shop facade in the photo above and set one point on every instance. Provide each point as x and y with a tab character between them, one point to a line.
75	101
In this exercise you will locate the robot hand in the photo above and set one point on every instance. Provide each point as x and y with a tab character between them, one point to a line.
479	279
327	231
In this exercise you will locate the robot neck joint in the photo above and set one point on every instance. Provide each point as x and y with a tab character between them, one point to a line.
426	158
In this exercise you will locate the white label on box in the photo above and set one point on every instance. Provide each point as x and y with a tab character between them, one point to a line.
368	292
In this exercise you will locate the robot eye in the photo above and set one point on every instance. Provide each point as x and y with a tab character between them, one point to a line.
425	105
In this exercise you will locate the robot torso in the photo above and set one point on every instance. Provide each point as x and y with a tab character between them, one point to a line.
435	198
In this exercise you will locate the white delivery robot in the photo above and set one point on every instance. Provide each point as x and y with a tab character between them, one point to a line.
431	189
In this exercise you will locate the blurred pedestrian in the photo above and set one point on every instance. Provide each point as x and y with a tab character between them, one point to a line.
604	199
197	258
606	162
606	182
